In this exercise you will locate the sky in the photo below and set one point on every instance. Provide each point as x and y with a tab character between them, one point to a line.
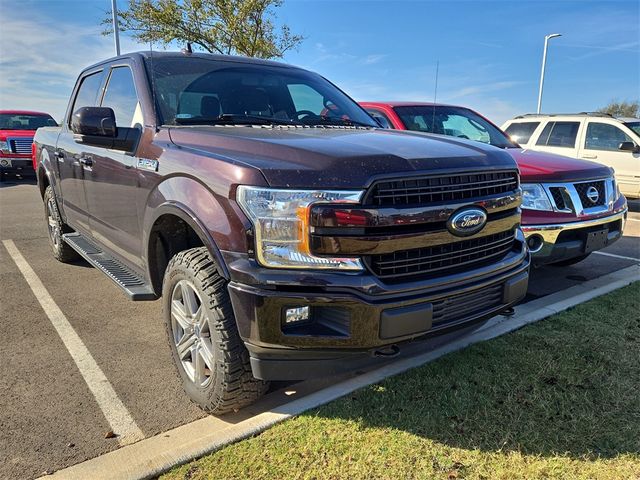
487	53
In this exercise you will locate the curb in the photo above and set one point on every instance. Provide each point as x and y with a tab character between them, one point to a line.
155	455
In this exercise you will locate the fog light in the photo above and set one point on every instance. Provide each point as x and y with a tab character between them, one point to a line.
535	243
296	315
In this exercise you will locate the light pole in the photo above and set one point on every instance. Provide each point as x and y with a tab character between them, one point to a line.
116	32
544	64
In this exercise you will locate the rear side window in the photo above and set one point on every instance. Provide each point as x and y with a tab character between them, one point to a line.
603	136
559	134
88	91
121	96
521	132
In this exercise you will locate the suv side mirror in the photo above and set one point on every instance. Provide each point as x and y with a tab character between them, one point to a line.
629	147
96	126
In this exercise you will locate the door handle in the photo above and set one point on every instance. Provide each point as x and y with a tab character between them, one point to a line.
59	154
589	156
86	161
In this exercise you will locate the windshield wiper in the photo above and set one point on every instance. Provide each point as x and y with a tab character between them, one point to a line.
344	121
235	119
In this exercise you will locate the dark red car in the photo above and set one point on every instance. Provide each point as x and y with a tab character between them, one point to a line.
17	128
570	207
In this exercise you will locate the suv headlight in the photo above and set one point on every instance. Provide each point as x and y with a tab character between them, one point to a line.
4	146
534	197
281	222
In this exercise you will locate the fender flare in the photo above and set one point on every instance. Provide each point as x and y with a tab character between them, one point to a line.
187	215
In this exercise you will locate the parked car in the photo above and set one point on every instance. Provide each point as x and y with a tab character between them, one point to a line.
17	128
570	208
594	136
288	236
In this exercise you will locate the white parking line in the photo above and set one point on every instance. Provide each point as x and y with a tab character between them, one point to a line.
617	256
119	418
633	219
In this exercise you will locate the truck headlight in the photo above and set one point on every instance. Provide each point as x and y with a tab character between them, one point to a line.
4	146
534	197
281	221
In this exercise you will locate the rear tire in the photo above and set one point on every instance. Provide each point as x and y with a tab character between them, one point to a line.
207	350
570	261
56	227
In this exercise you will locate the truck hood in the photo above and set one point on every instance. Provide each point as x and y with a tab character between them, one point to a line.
548	167
336	157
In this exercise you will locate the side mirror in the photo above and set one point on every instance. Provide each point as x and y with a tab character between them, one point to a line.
96	126
94	122
629	147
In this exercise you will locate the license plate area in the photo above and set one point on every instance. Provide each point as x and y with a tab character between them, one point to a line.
596	240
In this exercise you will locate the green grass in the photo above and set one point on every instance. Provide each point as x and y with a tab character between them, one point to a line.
557	399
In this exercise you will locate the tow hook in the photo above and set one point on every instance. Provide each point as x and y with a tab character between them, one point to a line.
508	312
387	352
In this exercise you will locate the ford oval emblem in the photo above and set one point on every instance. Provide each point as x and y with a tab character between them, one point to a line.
467	221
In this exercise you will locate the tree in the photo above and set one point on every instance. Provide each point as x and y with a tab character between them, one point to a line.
622	109
243	27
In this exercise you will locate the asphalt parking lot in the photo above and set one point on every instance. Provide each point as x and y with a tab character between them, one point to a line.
49	418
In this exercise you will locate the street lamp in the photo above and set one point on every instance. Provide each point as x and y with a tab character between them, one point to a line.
544	63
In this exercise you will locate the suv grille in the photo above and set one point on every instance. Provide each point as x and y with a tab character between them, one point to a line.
428	190
464	255
582	189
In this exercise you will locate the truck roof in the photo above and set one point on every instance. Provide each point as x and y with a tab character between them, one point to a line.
148	54
408	104
23	112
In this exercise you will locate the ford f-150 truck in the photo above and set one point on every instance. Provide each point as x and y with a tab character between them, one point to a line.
17	128
570	208
287	235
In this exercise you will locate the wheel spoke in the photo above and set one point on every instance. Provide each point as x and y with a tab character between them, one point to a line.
207	354
199	367
189	299
178	313
185	345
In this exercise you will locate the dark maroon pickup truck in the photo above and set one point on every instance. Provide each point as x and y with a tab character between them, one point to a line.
288	236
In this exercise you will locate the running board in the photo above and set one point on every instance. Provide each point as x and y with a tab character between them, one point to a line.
134	286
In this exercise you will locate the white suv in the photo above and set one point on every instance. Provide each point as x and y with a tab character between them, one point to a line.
615	142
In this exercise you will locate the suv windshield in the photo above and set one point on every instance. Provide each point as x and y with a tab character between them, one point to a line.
16	121
635	126
200	90
455	122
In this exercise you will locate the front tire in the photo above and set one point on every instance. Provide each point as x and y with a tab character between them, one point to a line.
56	227
207	350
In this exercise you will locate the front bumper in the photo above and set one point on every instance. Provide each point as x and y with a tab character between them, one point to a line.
563	241
23	166
357	322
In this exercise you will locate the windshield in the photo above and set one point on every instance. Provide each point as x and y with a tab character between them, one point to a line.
15	121
194	90
635	126
454	122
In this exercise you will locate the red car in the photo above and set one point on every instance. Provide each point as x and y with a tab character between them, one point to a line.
17	128
570	207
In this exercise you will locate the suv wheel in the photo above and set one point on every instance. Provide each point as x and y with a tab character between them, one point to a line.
209	355
61	251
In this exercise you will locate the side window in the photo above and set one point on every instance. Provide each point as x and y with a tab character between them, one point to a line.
521	132
121	96
559	134
380	117
603	136
88	91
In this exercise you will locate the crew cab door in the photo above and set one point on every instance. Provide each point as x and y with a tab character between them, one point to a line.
111	180
70	156
601	144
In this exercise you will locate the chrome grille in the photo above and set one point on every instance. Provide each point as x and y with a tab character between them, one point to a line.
20	145
423	262
438	189
582	189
